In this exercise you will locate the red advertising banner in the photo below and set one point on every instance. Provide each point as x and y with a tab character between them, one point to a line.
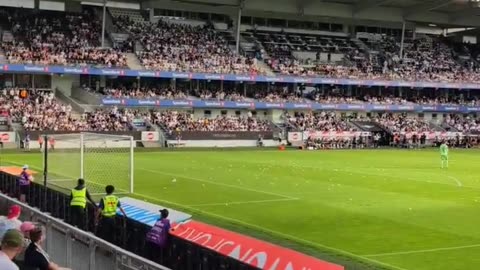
257	253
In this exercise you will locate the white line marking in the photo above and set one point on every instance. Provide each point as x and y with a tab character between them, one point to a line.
346	170
62	180
284	235
244	202
218	183
421	251
263	229
456	180
40	171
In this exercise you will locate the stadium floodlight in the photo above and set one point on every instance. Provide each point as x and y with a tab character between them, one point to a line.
100	159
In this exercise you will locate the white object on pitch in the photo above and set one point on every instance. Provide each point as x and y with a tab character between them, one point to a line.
174	180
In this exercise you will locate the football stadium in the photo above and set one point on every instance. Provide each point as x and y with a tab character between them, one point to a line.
239	134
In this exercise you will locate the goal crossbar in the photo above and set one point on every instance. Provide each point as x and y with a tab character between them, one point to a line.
100	159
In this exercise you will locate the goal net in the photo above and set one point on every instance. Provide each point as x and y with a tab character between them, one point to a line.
100	159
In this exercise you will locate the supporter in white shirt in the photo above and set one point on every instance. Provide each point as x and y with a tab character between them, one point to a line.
11	221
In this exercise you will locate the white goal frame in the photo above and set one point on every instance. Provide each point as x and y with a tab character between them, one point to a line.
83	140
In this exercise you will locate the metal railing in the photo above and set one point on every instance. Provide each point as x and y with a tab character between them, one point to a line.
71	247
81	250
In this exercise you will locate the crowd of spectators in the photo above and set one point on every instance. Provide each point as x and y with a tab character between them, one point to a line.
462	124
425	59
347	142
11	104
22	243
175	121
282	94
361	99
400	123
322	121
220	95
145	92
113	119
58	38
182	47
41	111
445	101
62	38
428	59
332	122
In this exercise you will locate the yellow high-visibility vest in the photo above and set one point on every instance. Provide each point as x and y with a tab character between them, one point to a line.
110	204
79	197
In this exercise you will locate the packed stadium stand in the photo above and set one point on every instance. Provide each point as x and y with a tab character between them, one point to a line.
178	121
312	75
56	38
320	121
180	47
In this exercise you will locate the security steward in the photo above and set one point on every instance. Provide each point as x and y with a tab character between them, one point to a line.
78	203
108	206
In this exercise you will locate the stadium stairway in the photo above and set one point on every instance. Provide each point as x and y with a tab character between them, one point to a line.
138	46
3	59
133	62
263	66
435	127
61	96
361	45
83	96
448	127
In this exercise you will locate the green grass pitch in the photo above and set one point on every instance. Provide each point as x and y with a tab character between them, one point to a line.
366	209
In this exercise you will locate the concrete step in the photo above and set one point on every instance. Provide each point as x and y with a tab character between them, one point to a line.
133	62
263	66
138	46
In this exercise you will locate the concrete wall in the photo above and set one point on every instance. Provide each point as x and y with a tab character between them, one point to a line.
86	97
65	83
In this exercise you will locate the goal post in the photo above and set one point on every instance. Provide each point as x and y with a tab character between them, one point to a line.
100	159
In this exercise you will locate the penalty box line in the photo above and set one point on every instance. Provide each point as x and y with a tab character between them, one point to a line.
421	251
219	184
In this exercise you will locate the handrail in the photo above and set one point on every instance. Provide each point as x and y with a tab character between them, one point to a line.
92	241
92	253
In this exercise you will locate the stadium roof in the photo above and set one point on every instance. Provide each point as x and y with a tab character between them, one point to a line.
446	13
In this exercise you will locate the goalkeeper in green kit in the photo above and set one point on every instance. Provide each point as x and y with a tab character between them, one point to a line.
444	154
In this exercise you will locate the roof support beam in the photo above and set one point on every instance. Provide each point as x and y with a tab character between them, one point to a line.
368	4
426	7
